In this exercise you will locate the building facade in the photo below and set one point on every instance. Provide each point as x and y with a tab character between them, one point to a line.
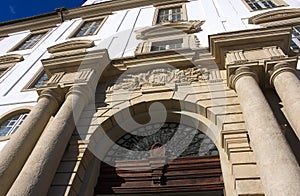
152	97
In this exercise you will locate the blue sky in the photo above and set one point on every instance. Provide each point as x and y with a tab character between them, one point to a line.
15	9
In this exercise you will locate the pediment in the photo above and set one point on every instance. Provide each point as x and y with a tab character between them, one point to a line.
11	58
277	15
71	45
169	28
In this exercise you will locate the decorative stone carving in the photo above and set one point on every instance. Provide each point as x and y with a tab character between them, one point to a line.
164	76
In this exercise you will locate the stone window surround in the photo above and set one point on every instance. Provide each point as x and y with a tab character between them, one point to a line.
189	41
279	3
10	114
184	12
30	85
14	49
73	33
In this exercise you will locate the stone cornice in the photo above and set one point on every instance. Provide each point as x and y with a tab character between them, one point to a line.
175	58
277	18
222	43
169	28
39	22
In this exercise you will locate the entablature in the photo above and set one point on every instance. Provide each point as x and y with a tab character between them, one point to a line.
253	39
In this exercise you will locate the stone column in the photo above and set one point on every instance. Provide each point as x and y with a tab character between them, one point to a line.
16	151
40	168
287	85
279	170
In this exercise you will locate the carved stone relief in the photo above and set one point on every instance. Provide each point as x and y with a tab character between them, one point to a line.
163	77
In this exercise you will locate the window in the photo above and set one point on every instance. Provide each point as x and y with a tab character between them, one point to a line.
295	42
30	41
10	125
41	81
263	4
88	28
169	14
166	13
167	45
137	146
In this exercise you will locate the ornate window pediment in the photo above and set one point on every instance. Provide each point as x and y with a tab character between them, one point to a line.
277	18
71	45
11	58
170	28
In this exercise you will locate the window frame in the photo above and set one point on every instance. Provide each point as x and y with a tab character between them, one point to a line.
156	13
189	41
15	48
30	85
166	43
279	3
297	37
6	116
80	25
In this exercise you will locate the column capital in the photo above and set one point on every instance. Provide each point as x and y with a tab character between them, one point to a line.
239	73
55	94
82	90
278	69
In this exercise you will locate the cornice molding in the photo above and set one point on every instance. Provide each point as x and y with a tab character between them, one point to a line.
50	20
39	22
168	28
71	45
277	18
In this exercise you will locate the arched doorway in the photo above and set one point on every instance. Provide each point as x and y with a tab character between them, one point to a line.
162	158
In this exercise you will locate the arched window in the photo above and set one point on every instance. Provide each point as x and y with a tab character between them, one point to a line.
12	123
179	141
